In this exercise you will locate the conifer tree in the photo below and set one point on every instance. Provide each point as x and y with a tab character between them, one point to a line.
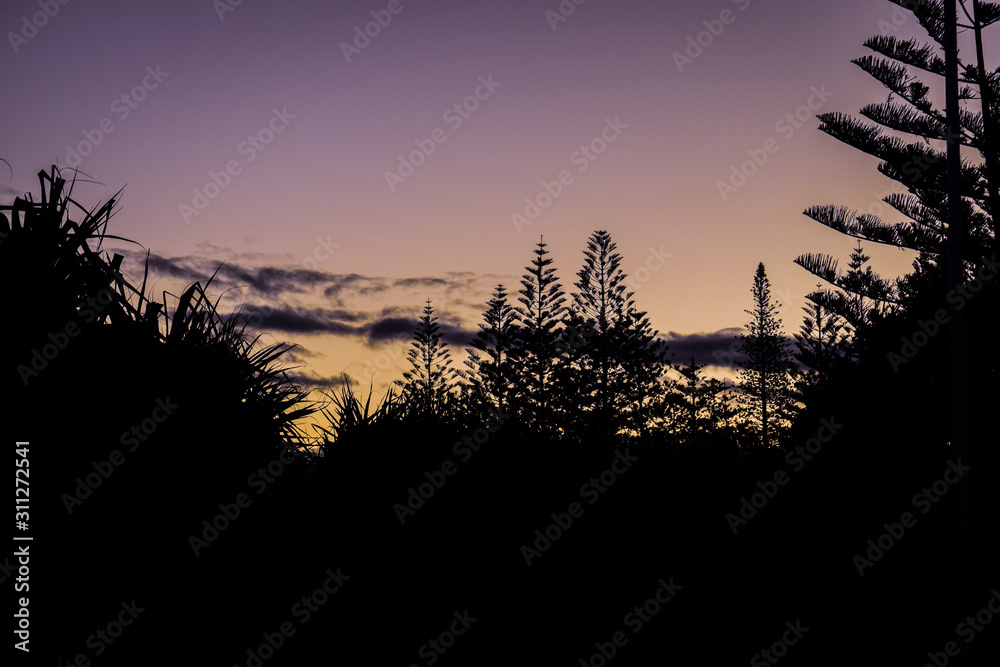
821	342
721	396
493	376
541	309
697	406
918	163
693	400
616	373
426	388
858	295
767	372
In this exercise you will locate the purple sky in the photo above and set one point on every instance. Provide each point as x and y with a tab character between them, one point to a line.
348	257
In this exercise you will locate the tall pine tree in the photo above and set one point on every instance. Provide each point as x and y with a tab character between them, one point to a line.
912	152
542	306
615	374
767	371
426	388
493	376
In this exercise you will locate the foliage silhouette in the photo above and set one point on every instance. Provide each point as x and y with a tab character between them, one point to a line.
767	370
494	377
427	387
107	357
427	509
542	306
614	375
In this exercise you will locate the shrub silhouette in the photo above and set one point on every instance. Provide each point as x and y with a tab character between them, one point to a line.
88	356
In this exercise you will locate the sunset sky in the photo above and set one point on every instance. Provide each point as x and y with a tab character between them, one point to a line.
309	117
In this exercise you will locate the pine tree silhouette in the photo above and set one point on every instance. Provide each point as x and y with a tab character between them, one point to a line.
494	377
768	370
537	351
821	342
858	295
615	375
426	388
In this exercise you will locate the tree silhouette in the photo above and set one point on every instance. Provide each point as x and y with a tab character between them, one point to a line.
493	377
768	371
616	374
908	357
691	402
426	388
858	295
909	134
537	352
918	165
821	342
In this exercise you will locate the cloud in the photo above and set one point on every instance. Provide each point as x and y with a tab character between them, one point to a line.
284	298
703	347
338	283
174	268
297	320
402	328
420	282
456	336
300	353
390	322
317	382
456	293
709	349
391	328
269	280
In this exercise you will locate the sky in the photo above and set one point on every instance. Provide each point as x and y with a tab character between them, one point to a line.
344	162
